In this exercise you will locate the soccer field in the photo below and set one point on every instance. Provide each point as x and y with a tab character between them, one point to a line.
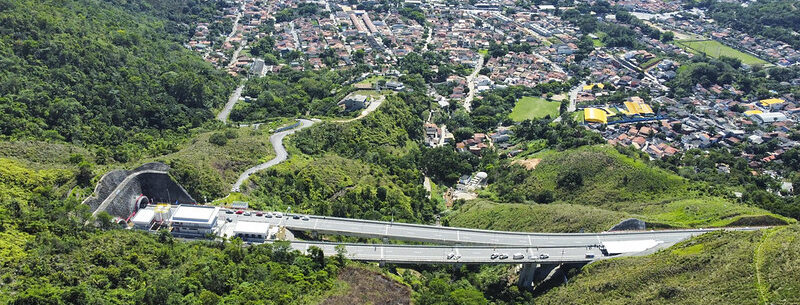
529	107
716	49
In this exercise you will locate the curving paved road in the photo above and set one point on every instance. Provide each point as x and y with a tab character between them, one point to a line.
276	140
226	111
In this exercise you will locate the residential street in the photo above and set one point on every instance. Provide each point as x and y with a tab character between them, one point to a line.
471	85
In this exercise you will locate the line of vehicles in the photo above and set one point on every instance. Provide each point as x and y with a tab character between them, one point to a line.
266	214
515	256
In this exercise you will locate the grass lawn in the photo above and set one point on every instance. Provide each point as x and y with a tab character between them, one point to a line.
529	107
650	63
372	79
598	43
716	49
484	52
578	116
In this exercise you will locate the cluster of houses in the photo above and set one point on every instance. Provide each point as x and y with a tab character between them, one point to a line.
518	68
479	141
703	122
647	6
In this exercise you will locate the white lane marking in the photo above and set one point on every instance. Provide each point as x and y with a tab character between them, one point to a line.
530	243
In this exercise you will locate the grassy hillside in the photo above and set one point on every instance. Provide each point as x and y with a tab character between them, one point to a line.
209	169
607	177
716	268
533	217
603	178
43	155
22	191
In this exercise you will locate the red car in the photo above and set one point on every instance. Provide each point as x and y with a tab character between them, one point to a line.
259	214
240	212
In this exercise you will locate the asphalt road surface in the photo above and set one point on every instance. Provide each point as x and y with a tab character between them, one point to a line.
411	254
464	236
226	111
276	140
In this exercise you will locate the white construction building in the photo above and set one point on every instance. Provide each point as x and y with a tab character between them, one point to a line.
252	231
194	220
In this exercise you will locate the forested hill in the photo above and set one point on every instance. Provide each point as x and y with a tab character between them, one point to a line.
101	72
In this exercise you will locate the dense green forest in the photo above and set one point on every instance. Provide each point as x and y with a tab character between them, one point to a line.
94	72
291	94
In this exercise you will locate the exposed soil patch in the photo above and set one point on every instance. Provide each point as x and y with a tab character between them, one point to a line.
368	287
528	163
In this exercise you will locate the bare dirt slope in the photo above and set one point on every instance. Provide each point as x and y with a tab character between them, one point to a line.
369	287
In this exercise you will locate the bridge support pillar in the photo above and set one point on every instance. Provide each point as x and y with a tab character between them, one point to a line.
385	240
532	275
526	275
314	234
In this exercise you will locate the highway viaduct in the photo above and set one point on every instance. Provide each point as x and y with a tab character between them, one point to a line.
542	255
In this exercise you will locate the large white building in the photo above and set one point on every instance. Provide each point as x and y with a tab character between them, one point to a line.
194	220
769	117
248	230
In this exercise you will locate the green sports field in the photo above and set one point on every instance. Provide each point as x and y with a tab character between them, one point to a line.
716	49
529	107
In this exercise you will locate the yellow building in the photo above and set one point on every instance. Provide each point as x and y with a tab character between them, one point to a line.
589	87
635	105
771	101
594	115
752	112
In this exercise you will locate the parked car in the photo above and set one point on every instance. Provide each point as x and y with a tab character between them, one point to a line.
278	214
451	255
589	255
247	214
518	256
259	214
229	219
268	215
295	216
503	256
306	218
494	255
228	212
239	212
544	256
